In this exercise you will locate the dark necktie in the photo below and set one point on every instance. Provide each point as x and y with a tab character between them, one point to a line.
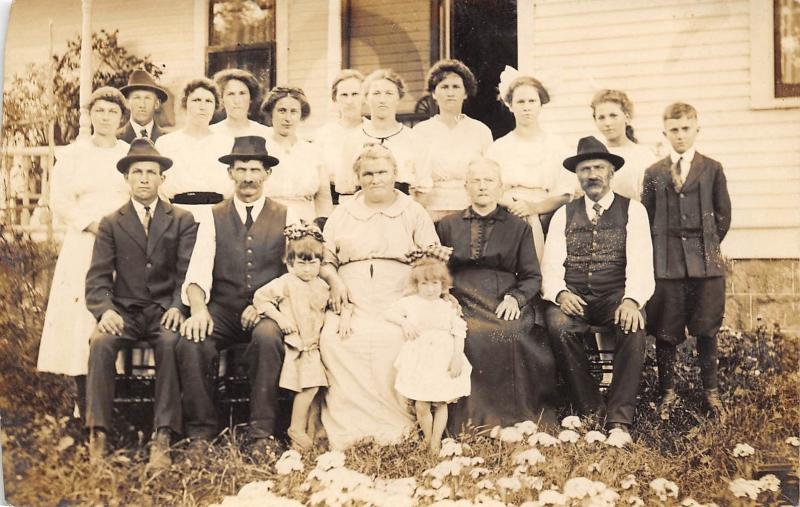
677	177
147	219
249	220
143	133
598	211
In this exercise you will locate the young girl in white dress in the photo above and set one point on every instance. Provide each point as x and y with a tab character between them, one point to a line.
297	301
432	370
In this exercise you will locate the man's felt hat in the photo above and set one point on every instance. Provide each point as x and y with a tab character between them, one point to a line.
590	148
143	150
142	80
249	148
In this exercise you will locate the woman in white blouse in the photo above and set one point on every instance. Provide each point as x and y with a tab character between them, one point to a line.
535	183
197	179
85	186
450	140
240	95
612	111
299	181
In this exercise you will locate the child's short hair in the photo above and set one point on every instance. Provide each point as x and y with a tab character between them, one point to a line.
678	110
430	270
306	248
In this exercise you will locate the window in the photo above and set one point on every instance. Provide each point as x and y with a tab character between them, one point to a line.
787	48
242	35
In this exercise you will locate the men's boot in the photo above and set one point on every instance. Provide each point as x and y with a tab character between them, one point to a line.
711	402
98	445
668	402
159	450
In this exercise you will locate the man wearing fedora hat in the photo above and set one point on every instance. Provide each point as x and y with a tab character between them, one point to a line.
144	99
133	288
597	270
238	251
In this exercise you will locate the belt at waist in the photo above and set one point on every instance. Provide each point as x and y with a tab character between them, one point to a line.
197	198
677	233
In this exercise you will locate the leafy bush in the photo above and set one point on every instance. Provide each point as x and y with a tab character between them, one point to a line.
26	115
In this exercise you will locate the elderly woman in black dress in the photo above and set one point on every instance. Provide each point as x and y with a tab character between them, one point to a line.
496	277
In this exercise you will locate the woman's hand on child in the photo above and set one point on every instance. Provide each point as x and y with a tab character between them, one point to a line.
410	331
286	325
456	364
344	325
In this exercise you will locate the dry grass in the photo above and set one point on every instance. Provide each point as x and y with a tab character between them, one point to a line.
45	461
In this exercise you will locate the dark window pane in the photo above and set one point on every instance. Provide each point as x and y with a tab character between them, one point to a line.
241	22
258	60
787	48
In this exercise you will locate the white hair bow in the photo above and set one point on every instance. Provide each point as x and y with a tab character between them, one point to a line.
507	77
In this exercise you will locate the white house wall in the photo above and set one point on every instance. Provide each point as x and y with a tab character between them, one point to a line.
668	50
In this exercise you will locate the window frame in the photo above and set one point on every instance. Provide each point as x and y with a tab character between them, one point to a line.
782	90
762	59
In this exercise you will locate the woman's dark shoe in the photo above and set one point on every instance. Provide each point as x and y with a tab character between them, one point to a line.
668	402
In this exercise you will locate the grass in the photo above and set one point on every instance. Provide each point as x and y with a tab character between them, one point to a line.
45	459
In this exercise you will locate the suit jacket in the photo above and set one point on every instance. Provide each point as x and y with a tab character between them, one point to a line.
698	248
127	133
131	270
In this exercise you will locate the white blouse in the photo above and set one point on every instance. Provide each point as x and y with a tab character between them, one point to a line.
196	167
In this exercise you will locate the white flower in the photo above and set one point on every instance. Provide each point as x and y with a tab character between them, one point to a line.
529	482
664	488
478	471
619	439
628	482
635	501
594	436
443	493
552	497
257	488
569	436
543	439
477	461
793	441
594	467
436	483
580	487
64	443
571	422
527	427
289	462
510	435
403	487
745	488
450	448
509	483
743	450
529	457
485	484
495	432
769	483
328	460
445	468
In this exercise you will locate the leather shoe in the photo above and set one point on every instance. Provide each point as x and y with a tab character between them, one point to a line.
618	427
667	404
265	447
711	402
159	450
98	445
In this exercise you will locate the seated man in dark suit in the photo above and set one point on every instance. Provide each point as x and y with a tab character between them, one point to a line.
133	288
144	100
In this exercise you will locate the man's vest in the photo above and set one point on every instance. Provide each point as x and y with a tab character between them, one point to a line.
596	256
246	260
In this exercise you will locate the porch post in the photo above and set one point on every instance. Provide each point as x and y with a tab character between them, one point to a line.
334	39
86	73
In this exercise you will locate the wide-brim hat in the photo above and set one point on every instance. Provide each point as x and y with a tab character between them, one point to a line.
249	148
143	150
142	80
590	148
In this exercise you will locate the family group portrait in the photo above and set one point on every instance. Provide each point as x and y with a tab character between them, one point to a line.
395	253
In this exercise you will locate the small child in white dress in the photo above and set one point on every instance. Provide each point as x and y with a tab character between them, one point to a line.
297	301
432	370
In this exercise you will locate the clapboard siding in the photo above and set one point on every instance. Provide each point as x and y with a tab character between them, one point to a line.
696	51
392	35
308	57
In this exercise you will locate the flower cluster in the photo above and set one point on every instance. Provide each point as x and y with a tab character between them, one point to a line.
302	229
750	488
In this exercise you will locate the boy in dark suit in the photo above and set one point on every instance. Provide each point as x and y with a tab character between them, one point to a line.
133	288
686	197
144	98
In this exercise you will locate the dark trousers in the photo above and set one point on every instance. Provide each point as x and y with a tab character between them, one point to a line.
264	360
667	354
144	325
566	335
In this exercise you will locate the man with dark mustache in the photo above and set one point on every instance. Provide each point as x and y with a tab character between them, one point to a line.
598	270
238	250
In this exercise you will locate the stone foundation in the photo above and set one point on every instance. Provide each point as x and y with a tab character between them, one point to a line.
763	292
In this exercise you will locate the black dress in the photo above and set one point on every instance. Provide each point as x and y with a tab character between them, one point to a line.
513	370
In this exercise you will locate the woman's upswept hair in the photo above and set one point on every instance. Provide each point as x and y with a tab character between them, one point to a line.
344	75
204	83
374	151
544	96
389	75
621	99
440	69
430	270
222	78
280	92
108	94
